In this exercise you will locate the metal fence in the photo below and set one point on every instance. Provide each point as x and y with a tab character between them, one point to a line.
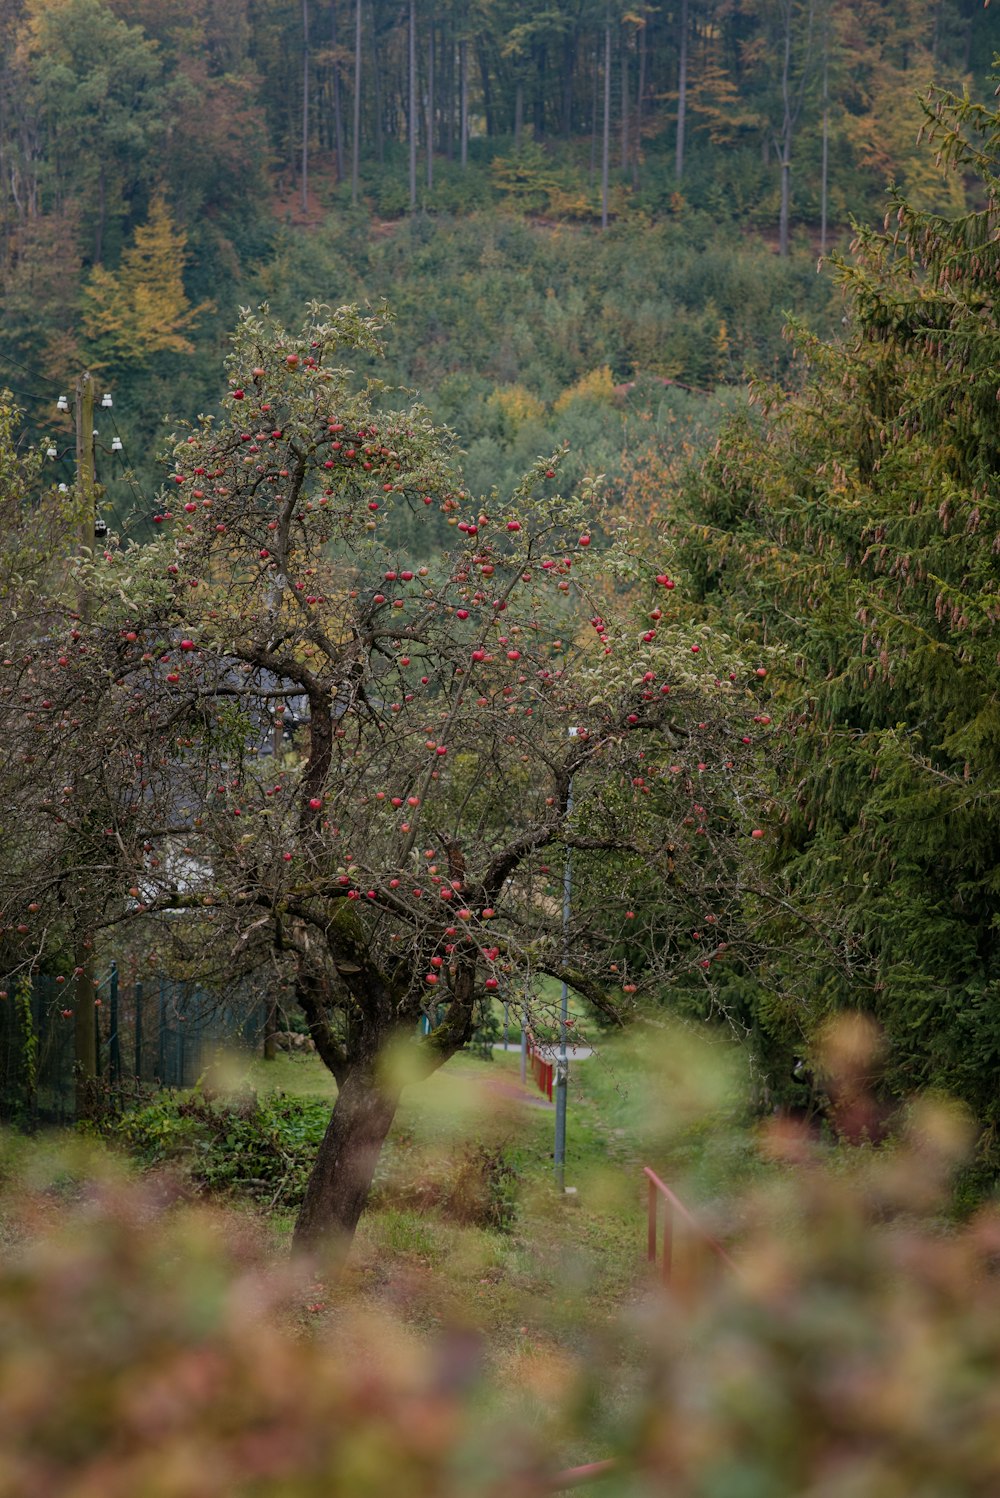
159	1032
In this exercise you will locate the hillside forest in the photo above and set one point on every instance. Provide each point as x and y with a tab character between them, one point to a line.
589	220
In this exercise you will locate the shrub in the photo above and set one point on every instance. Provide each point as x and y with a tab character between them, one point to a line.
150	1350
263	1148
478	1186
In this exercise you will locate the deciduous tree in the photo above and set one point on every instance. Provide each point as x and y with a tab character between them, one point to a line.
462	729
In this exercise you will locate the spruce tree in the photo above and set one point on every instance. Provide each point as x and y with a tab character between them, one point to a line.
854	524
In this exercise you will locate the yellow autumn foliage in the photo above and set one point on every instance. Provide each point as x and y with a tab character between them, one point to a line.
595	385
517	406
141	309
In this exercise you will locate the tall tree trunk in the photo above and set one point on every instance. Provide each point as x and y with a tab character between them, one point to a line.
463	68
825	167
570	42
378	93
102	213
449	108
593	115
345	1163
640	97
624	120
356	123
682	76
606	135
305	106
791	107
518	113
338	111
412	126
538	101
486	86
430	104
785	142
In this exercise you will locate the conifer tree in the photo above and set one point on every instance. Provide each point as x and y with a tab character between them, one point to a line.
142	309
856	526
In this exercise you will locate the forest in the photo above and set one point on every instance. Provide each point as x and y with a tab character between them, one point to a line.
566	205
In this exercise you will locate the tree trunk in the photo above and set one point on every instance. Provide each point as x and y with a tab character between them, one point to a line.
570	41
486	86
338	113
540	58
786	194
463	69
518	113
345	1164
449	106
682	73
271	1032
430	104
640	95
356	124
377	90
102	209
593	116
785	144
412	126
606	138
624	109
305	106
825	167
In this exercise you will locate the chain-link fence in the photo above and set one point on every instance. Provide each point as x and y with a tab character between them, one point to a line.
159	1032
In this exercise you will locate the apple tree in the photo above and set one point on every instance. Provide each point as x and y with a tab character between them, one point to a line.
362	772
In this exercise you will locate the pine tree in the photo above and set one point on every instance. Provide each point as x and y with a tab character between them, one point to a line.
857	527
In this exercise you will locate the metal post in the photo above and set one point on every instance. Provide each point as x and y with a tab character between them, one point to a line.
86	1037
114	1043
562	1071
137	991
161	1049
180	1037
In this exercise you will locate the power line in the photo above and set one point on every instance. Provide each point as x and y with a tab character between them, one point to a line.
28	395
137	493
33	374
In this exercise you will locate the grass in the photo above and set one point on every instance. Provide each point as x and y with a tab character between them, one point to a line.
651	1095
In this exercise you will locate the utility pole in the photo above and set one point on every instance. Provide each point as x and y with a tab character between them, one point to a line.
85	988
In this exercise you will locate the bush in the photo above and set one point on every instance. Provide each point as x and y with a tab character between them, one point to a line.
153	1349
262	1148
478	1187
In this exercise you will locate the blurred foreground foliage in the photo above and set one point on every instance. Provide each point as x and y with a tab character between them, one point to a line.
153	1347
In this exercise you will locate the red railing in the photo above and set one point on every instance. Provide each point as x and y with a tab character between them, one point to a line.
541	1070
674	1208
574	1477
